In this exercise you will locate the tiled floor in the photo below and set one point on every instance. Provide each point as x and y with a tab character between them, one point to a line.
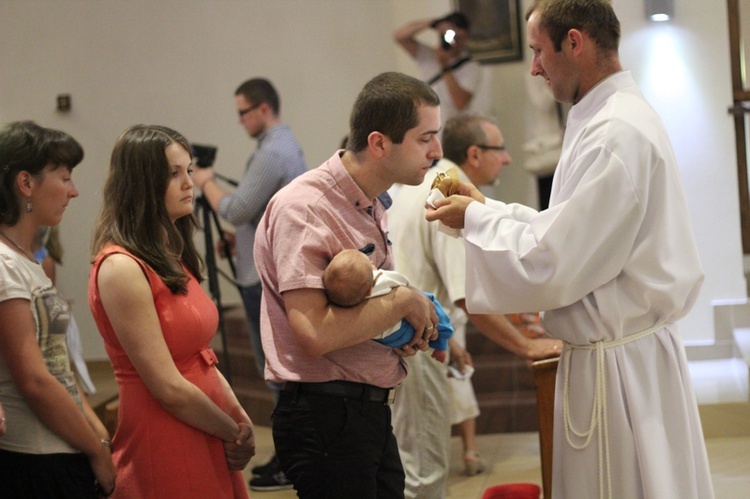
514	457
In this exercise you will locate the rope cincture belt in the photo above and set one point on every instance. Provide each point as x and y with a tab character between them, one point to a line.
599	407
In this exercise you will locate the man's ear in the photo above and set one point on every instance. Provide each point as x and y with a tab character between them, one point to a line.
575	38
265	110
379	144
473	165
472	156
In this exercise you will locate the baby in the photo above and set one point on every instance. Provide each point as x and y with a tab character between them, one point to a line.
350	278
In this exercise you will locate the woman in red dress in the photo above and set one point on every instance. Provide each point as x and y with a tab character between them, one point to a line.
181	430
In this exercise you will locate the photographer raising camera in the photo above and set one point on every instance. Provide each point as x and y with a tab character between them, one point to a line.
460	82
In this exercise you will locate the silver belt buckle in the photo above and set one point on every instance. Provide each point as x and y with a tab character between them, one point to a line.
391	396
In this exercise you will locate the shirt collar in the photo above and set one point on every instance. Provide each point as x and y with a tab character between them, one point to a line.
269	131
352	190
347	185
599	94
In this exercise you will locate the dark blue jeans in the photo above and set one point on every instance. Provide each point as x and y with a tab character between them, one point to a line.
251	296
334	447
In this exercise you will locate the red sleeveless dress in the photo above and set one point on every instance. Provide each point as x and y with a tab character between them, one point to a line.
156	454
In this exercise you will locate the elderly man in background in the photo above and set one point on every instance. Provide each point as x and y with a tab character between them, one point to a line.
436	263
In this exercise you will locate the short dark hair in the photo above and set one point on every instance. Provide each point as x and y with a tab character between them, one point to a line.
462	132
457	19
258	91
26	146
595	17
388	104
134	213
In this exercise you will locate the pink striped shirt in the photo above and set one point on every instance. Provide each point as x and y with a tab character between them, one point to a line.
305	224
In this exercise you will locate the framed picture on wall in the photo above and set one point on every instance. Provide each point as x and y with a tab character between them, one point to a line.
495	29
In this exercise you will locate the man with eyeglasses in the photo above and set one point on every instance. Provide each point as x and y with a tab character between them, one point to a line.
277	160
428	401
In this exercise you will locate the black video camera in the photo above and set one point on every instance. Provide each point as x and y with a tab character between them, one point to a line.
203	155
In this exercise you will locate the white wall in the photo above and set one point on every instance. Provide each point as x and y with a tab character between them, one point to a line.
683	68
178	62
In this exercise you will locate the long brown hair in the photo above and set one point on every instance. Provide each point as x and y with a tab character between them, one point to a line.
134	214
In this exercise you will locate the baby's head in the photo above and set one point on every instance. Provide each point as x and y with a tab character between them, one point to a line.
348	278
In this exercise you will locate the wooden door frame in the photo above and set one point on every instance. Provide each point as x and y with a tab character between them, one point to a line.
740	108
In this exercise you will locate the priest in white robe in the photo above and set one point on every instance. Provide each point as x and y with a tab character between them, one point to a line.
612	262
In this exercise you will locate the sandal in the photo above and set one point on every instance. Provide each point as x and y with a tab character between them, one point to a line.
473	463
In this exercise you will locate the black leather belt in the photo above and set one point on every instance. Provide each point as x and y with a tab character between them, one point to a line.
345	389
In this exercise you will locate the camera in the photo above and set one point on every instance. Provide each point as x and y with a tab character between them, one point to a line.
203	155
448	40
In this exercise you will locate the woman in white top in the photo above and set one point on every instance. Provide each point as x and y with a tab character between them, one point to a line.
54	444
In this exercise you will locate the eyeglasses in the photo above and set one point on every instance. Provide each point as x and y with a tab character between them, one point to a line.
491	148
243	112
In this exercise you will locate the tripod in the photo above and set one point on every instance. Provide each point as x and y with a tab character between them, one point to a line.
209	215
